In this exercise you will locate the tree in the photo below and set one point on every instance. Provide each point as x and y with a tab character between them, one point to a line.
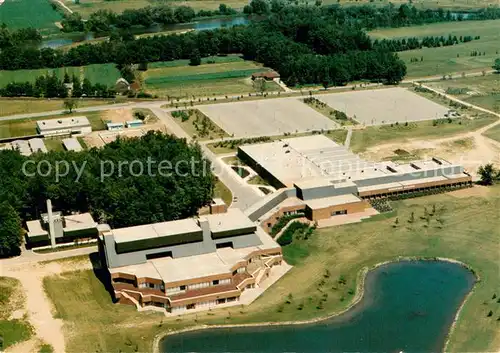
487	173
496	65
260	85
195	58
10	231
70	104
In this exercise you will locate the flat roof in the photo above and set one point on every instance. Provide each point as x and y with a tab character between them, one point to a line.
148	231
37	145
79	221
234	218
35	228
214	263
72	144
332	201
63	123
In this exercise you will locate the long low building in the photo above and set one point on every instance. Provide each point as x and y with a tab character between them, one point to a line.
194	263
78	125
323	179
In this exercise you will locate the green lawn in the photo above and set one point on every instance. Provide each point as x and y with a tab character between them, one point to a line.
222	191
373	135
106	74
30	13
445	60
11	298
215	76
93	323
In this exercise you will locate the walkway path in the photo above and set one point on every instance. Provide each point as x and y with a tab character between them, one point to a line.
64	6
348	137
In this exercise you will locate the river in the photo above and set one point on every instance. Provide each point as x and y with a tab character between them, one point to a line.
202	25
407	306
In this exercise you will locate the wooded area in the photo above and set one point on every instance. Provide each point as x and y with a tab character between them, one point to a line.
122	198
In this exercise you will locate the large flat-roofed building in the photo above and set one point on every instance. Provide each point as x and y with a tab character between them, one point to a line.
194	263
78	125
326	179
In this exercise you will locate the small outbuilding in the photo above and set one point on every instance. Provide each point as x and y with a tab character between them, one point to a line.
122	85
134	123
115	126
267	75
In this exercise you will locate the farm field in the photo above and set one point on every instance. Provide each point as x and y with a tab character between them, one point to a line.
267	117
30	13
27	127
483	91
106	74
384	106
92	323
223	75
493	133
445	60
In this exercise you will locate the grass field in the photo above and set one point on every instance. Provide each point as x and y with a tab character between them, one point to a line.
200	126
93	323
12	106
493	133
456	58
27	127
106	74
30	13
373	135
11	298
224	75
223	192
483	91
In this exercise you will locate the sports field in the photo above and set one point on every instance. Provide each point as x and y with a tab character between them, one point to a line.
30	13
223	75
106	74
384	106
446	60
267	117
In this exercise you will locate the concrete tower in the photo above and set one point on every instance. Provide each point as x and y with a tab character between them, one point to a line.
52	232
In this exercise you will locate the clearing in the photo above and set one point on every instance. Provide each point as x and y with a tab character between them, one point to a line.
106	74
38	14
445	60
216	76
92	322
384	106
267	117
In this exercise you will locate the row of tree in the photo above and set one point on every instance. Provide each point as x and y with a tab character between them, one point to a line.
418	43
120	197
50	86
105	20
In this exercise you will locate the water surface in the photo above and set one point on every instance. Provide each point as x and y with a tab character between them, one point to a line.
408	306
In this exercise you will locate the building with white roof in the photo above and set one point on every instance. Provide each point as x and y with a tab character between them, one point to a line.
77	125
194	263
327	180
72	144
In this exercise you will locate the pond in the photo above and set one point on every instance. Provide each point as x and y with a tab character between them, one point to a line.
202	25
407	306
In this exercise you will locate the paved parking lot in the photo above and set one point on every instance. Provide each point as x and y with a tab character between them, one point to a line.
267	117
384	106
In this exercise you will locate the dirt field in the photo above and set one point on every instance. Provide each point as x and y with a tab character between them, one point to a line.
384	106
101	138
470	150
267	117
118	115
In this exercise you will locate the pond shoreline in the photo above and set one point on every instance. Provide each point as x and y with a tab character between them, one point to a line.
360	292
